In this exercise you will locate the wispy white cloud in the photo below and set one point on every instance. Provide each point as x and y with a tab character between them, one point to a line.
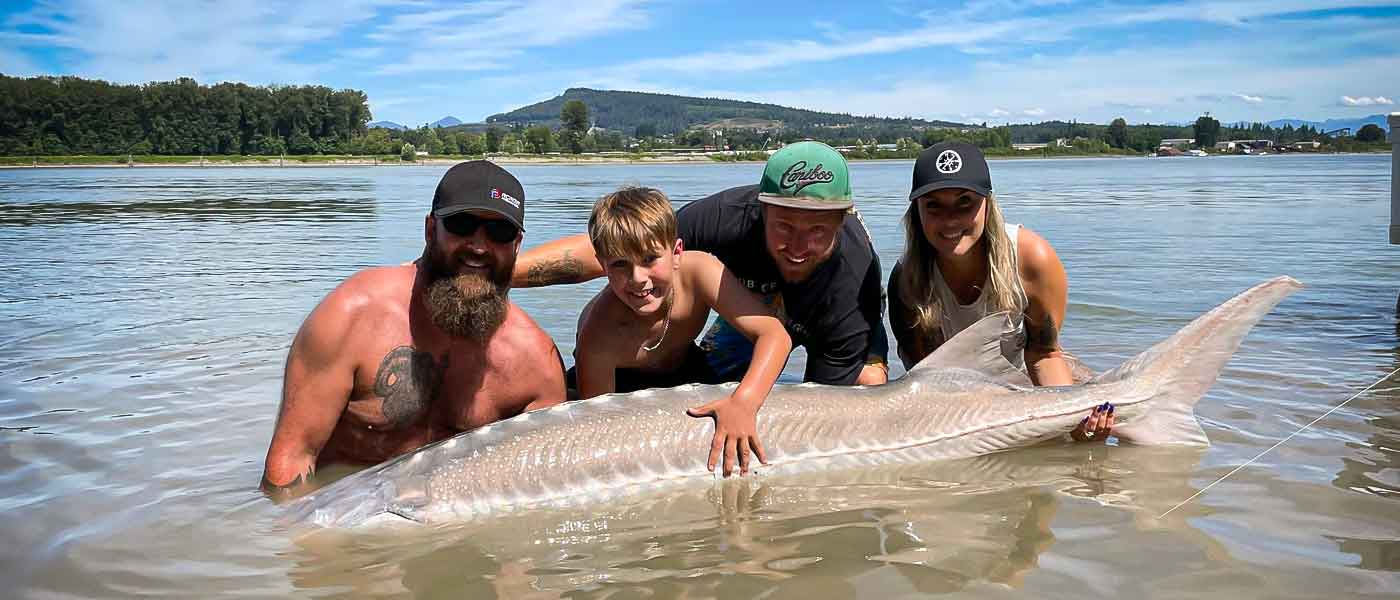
992	59
1366	101
490	35
362	53
165	39
1236	13
435	17
1074	86
1138	81
270	41
981	28
762	56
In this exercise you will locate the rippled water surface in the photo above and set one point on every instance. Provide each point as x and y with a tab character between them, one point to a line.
147	313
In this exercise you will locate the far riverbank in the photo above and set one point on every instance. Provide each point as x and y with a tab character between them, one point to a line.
147	161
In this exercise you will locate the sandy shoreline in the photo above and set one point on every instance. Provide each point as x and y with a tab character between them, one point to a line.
370	162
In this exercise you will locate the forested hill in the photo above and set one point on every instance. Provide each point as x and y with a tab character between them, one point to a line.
70	115
626	111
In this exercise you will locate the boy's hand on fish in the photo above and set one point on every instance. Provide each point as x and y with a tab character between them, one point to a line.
1096	427
736	433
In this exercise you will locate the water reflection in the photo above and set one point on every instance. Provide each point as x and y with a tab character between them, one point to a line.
1373	466
936	527
1375	554
237	209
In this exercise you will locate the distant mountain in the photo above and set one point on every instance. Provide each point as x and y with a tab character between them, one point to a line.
1334	124
624	111
1294	123
443	122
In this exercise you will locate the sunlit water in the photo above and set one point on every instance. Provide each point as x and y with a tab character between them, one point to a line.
147	314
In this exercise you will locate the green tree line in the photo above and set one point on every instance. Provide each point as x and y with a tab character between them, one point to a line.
1147	137
71	115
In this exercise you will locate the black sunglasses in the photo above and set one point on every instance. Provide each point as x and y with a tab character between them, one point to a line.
465	224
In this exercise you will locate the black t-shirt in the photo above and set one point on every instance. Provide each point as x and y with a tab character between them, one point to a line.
835	313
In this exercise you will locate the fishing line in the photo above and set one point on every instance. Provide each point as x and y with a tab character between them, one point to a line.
1280	443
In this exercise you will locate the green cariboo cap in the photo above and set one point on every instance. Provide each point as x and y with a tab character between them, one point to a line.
809	175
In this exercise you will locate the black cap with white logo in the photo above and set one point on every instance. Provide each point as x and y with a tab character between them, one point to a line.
951	165
480	185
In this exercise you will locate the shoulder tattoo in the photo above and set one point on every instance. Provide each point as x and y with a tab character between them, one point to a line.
1042	335
565	269
408	380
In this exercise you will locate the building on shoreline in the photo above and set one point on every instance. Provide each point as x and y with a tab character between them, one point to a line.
1245	146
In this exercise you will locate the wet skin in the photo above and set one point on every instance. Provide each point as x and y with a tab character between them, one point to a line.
370	376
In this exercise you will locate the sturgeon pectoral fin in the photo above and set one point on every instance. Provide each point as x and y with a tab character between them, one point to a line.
977	348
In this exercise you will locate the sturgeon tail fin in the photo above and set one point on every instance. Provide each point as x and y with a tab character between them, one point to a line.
1181	368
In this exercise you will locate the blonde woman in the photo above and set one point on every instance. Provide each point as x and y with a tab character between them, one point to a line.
962	262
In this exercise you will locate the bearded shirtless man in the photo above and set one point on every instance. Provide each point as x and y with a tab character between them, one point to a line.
399	357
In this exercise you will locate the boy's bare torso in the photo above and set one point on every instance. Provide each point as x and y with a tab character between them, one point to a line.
628	335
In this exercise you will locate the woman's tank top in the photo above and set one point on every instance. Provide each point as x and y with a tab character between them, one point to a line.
957	317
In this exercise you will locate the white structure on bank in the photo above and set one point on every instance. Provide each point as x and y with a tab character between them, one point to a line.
1244	145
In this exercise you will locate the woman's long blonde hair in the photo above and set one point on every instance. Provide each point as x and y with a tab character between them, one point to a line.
916	274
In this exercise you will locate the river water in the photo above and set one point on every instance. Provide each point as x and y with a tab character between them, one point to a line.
147	314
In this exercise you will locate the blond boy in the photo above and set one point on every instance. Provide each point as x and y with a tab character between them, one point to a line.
640	331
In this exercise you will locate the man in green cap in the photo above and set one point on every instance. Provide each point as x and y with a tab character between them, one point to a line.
795	240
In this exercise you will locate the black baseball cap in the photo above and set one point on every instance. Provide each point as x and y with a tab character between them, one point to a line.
951	165
480	185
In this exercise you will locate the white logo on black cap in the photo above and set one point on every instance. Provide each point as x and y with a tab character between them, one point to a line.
497	194
949	162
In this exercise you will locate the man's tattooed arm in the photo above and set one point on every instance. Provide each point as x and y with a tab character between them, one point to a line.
552	271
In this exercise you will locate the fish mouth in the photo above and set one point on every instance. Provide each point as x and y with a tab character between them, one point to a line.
392	517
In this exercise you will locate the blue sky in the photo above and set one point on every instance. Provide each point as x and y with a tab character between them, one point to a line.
987	60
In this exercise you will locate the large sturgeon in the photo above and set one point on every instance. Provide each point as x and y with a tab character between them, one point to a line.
963	400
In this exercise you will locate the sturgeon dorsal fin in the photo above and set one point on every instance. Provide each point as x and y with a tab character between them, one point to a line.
977	348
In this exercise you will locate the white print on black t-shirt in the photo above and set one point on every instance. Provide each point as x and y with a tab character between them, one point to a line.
764	288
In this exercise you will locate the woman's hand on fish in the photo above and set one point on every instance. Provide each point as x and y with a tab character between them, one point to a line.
736	433
1096	427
